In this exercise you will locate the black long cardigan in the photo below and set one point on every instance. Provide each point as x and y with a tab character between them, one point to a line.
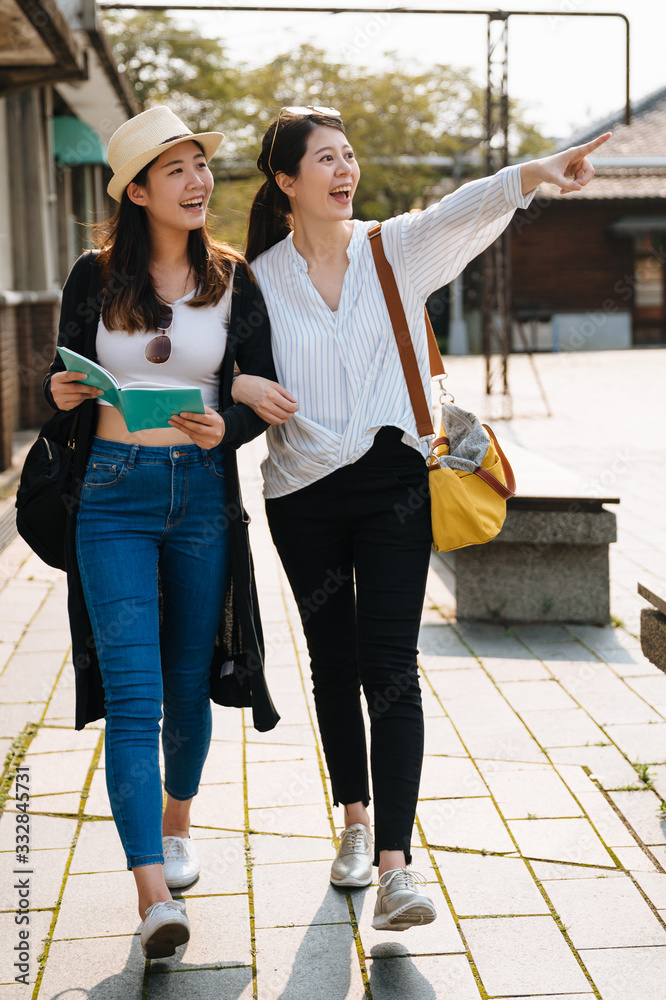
239	639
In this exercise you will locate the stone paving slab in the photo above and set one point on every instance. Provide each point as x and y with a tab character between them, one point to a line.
560	839
483	886
220	936
607	823
610	768
584	908
628	973
540	793
117	916
635	859
299	894
545	871
466	824
640	809
522	955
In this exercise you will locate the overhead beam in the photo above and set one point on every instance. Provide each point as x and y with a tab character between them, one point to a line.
48	21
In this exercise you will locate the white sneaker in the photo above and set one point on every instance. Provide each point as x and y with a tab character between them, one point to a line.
164	928
399	904
181	864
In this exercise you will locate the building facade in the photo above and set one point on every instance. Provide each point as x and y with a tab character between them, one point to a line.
61	98
588	269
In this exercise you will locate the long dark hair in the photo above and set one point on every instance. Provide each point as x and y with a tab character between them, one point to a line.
130	300
270	216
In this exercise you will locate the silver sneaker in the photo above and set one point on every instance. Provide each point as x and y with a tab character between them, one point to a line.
353	862
399	904
164	928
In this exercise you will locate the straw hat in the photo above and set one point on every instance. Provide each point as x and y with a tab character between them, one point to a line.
142	138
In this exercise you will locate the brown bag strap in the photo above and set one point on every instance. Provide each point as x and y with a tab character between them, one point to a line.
411	368
403	337
436	364
504	491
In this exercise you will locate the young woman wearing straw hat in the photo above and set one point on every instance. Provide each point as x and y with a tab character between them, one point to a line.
162	600
349	465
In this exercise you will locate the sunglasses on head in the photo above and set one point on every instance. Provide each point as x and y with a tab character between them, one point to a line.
306	112
158	350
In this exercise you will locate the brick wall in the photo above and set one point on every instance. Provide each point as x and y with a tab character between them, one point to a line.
8	383
36	345
27	343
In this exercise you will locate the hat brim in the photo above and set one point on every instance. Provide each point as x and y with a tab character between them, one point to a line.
209	141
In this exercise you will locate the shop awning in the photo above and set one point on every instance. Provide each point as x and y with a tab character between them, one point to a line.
76	143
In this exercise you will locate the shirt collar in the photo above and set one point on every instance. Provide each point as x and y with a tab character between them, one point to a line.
301	263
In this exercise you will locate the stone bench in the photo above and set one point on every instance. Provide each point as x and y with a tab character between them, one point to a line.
653	628
549	562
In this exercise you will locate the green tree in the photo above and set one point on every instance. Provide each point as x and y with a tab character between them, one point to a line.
166	63
395	118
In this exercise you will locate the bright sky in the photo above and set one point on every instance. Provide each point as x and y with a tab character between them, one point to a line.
567	71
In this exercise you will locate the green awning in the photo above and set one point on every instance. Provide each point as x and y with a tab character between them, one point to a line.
76	143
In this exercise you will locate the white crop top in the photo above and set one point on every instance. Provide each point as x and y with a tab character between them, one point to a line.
198	341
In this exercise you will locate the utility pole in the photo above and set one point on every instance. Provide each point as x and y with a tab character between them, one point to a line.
496	302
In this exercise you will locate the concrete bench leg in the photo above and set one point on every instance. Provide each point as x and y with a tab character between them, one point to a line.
653	636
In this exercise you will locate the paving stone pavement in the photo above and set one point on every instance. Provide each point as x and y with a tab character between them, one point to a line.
543	845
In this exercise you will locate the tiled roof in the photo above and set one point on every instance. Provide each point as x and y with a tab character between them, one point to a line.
645	136
614	183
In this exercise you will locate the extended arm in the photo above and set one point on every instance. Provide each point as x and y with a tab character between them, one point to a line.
436	244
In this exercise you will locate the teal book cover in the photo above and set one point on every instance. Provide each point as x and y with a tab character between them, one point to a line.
144	405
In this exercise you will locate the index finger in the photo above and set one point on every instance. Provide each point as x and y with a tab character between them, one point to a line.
589	147
73	376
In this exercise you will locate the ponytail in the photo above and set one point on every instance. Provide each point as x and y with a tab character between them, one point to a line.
282	149
269	221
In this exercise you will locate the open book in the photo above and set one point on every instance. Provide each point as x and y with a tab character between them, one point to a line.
143	404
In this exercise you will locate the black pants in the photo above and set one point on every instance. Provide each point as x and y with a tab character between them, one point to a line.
355	547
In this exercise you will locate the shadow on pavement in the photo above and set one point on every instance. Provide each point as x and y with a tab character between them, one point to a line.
226	979
393	975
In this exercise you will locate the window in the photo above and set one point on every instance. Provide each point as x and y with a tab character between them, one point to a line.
649	318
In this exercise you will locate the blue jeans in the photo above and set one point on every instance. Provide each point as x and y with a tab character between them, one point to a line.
147	513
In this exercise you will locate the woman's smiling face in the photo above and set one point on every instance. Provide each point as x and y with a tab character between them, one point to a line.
177	189
327	178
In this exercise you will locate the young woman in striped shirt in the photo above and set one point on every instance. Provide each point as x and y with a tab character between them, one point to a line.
341	475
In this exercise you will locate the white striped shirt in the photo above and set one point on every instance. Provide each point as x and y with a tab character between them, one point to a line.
343	367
